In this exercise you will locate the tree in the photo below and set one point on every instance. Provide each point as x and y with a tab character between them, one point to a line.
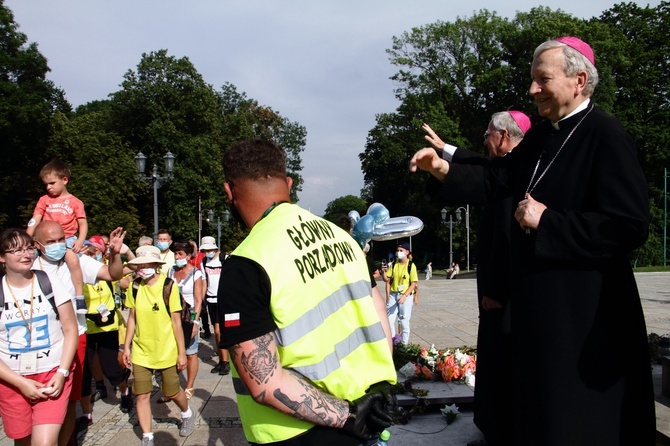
455	75
28	100
246	118
105	183
343	205
166	106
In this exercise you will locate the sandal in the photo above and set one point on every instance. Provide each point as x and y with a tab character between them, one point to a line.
189	393
163	399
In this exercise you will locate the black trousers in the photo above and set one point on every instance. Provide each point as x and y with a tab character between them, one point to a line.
106	345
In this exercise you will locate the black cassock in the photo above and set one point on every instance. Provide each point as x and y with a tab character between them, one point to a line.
581	369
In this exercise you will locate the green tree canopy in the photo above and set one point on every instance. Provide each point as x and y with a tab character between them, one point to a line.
454	76
343	205
27	102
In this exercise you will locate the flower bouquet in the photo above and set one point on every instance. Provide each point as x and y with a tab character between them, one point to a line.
447	365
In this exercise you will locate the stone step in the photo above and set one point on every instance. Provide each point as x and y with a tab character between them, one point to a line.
440	393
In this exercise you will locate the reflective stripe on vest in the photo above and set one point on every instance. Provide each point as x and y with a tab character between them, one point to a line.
328	329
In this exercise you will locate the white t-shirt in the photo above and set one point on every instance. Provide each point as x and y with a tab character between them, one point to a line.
89	271
212	273
186	286
45	339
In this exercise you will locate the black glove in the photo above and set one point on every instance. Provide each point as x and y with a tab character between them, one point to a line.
386	389
360	415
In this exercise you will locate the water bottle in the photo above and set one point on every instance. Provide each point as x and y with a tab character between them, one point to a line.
383	438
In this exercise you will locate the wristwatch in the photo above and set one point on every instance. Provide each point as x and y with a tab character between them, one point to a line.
65	372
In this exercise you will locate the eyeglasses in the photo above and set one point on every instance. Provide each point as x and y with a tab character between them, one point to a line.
487	134
22	251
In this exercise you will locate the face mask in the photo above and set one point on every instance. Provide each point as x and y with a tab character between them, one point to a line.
98	257
162	245
54	252
146	273
209	255
180	263
400	255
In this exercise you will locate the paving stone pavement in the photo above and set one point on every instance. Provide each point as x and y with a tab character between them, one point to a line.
446	316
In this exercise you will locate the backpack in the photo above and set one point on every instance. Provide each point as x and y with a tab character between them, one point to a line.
186	323
45	285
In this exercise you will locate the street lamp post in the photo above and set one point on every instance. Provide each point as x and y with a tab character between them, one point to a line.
154	179
226	220
467	229
451	223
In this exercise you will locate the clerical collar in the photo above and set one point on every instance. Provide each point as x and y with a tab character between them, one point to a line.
580	107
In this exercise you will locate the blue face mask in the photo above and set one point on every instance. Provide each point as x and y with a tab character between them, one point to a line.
55	252
210	255
98	257
180	263
162	245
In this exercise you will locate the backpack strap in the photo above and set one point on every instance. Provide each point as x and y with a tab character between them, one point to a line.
45	285
167	289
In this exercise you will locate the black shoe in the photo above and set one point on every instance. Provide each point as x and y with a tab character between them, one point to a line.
99	394
82	423
216	368
225	368
126	403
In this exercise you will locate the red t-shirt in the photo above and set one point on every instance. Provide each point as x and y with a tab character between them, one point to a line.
63	210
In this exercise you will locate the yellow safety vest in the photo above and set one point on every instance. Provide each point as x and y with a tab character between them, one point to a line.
328	328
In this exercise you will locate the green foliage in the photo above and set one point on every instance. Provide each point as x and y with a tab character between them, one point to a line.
28	102
343	205
454	75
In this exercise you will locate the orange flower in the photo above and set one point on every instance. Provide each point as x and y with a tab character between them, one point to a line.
427	373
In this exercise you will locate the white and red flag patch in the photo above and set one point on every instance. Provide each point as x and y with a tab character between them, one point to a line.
231	320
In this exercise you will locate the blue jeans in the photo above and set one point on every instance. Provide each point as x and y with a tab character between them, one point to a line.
402	312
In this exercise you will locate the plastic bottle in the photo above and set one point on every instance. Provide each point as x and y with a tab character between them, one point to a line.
383	438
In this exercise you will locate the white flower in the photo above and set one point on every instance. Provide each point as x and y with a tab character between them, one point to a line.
407	370
450	409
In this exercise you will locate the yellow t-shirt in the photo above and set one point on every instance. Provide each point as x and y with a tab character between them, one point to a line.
401	279
95	295
154	343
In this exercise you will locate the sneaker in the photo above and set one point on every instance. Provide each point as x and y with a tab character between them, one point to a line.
81	305
225	368
187	425
99	394
147	441
217	367
82	423
126	403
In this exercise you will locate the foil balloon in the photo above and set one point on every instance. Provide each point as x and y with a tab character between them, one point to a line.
354	216
363	230
397	227
378	212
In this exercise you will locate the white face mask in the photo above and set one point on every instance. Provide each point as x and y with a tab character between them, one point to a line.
400	255
180	263
146	273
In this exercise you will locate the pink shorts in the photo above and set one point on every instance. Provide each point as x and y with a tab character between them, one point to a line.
19	415
78	372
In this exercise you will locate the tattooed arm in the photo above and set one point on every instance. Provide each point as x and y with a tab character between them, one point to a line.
269	384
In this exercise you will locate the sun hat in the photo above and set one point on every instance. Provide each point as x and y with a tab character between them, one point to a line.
147	254
579	45
97	242
208	243
521	119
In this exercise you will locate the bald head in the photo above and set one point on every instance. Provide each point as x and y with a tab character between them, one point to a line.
48	232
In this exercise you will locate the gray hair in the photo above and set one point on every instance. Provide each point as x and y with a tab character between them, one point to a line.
574	63
504	121
145	240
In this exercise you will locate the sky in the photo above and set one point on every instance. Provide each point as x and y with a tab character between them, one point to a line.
322	64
